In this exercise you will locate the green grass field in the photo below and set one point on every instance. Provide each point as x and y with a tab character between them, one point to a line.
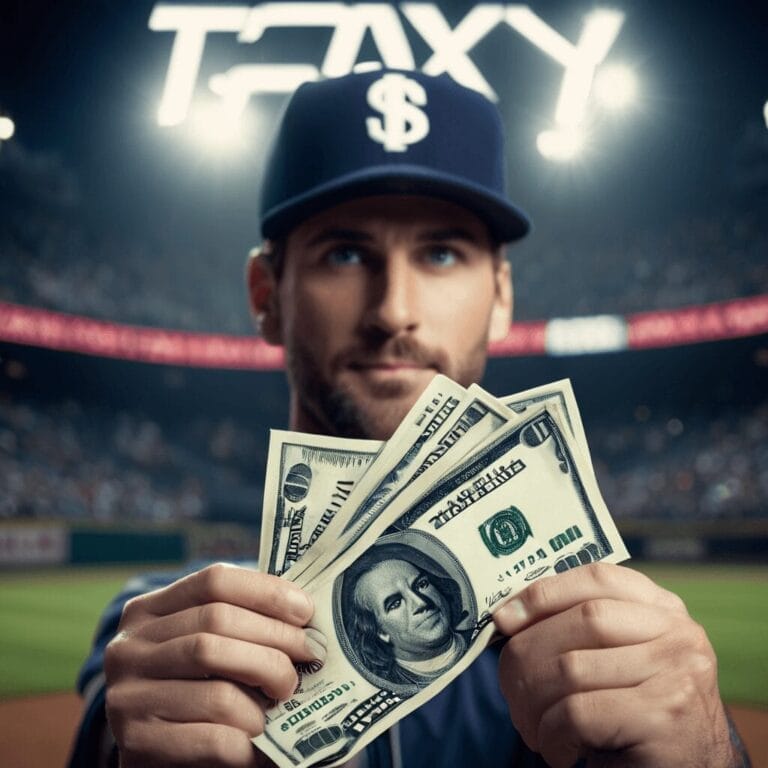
47	619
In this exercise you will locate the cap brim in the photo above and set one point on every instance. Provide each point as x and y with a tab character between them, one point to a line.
505	221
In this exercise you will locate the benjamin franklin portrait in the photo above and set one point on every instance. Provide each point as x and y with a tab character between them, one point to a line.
403	614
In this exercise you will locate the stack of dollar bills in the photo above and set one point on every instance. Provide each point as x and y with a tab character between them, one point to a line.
408	546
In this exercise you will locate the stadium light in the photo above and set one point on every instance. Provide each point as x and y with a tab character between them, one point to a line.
191	25
600	30
616	86
566	139
765	113
215	129
237	84
7	128
561	144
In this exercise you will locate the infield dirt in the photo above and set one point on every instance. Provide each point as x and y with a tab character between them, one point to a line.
36	732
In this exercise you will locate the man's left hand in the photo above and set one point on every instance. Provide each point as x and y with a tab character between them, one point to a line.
603	664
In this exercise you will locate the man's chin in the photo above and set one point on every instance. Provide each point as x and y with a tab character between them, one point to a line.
388	383
382	400
437	641
381	418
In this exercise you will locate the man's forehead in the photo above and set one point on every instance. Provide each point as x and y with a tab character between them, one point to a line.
383	574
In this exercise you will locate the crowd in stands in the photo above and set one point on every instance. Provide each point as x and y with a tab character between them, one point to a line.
48	260
82	462
52	261
663	467
697	261
86	463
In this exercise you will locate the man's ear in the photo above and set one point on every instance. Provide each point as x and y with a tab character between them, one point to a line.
383	636
263	295
501	313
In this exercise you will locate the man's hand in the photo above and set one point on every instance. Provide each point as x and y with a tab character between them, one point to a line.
603	664
194	665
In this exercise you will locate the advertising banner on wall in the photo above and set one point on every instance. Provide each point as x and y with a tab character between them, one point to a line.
33	544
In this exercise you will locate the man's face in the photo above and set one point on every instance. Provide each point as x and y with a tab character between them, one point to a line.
377	296
411	613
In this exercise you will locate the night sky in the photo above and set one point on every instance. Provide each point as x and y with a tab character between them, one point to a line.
82	81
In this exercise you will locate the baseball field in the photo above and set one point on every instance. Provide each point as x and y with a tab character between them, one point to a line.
48	617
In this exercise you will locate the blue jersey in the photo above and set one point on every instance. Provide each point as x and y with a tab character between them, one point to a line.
465	724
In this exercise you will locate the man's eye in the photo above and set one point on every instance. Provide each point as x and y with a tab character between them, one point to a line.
422	584
442	257
393	604
344	256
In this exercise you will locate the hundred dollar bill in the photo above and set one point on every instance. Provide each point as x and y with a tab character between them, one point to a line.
560	392
411	440
520	505
308	479
477	416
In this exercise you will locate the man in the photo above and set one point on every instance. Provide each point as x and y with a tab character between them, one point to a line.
401	613
384	210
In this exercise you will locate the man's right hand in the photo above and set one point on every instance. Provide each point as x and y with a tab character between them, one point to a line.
195	664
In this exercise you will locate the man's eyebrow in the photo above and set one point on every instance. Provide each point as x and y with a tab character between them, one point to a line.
335	234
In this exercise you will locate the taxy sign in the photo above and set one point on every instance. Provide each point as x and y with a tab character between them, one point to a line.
449	46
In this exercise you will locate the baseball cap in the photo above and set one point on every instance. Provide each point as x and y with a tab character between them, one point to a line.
388	132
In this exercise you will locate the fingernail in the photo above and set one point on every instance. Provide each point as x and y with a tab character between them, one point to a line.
316	643
300	604
515	613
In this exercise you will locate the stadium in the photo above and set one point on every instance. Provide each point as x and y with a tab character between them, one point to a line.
136	398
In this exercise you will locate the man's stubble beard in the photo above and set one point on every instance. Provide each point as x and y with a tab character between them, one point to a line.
335	410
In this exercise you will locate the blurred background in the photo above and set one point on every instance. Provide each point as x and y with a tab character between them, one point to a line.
136	403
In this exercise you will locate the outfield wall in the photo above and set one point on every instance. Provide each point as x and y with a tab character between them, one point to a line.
27	544
24	544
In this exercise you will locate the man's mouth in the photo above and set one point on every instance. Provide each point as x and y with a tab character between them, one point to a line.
401	361
389	366
431	616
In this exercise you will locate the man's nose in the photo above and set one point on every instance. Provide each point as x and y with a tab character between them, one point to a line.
419	603
393	300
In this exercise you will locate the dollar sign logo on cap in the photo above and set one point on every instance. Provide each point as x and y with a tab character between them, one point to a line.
398	98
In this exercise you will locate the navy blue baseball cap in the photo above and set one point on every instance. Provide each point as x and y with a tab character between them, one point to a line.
388	132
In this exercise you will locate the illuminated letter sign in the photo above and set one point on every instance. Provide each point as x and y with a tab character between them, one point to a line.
450	48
